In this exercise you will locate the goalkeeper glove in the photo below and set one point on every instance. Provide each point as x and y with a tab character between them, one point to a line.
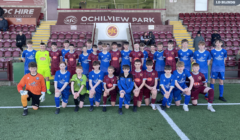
42	97
23	92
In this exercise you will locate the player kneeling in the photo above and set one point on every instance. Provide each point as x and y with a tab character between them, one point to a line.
61	84
167	83
35	88
78	87
110	82
150	84
125	85
200	86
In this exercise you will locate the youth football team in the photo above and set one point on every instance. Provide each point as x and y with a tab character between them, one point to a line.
102	72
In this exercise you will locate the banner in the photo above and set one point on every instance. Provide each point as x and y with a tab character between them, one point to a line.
22	2
20	12
80	18
227	2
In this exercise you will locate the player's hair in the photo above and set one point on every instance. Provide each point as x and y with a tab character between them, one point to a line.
119	45
202	43
149	63
126	43
79	67
126	67
153	46
141	44
104	45
111	67
195	65
62	63
42	43
32	65
89	41
84	46
170	42
180	64
66	41
94	46
114	43
167	67
159	43
136	43
71	45
54	43
184	40
95	63
218	40
29	42
137	61
100	43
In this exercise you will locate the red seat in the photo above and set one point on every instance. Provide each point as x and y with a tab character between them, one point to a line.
89	36
165	43
2	51
75	36
196	28
235	52
61	35
68	36
181	16
12	28
185	22
156	35
209	28
231	61
208	43
235	35
13	35
228	35
228	28
162	36
79	52
18	28
235	43
8	54
80	44
194	35
54	36
13	44
7	44
135	36
16	54
6	35
228	43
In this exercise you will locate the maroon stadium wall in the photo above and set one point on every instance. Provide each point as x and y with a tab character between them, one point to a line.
22	12
71	28
157	28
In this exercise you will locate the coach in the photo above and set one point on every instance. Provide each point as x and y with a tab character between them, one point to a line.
215	36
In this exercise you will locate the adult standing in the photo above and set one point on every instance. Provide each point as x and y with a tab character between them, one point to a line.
215	36
1	11
20	40
152	38
147	39
3	24
197	39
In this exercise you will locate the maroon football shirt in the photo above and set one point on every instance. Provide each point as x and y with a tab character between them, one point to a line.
150	57
136	55
116	55
170	56
71	59
55	58
110	81
92	57
138	77
199	80
150	77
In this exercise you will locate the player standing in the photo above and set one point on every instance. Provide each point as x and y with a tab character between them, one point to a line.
65	50
104	57
136	54
185	55
99	47
71	59
125	56
83	61
115	59
151	54
170	56
92	57
55	55
89	46
145	55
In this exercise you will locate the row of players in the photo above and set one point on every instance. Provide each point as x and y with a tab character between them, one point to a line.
140	83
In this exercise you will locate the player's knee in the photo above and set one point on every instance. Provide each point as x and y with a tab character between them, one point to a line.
167	106
221	82
35	107
121	95
113	104
188	93
166	96
126	107
105	94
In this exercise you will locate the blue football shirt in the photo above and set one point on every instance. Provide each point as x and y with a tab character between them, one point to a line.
89	51
159	61
105	61
95	77
167	82
218	57
185	56
63	54
181	77
62	78
29	57
202	59
83	59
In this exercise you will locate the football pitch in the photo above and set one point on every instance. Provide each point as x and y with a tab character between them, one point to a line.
174	124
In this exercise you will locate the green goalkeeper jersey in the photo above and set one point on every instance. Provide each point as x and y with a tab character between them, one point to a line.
79	82
43	59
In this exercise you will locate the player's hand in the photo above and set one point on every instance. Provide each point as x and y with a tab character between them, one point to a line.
57	90
167	93
42	97
23	92
122	91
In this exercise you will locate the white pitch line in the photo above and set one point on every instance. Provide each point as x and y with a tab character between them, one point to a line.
172	124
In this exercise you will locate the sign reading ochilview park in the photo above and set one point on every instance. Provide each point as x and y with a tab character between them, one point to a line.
20	12
80	18
227	2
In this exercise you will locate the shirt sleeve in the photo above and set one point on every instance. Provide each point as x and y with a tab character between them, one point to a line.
89	57
56	77
225	54
173	81
72	79
194	56
68	77
209	56
66	57
23	54
21	84
101	76
130	55
99	57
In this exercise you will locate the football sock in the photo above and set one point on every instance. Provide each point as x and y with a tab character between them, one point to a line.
48	85
87	85
76	102
24	100
135	100
153	101
206	94
221	88
209	104
212	86
120	102
210	95
91	101
104	100
164	101
25	108
57	102
187	99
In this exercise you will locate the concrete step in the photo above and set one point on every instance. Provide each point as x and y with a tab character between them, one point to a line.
190	40
181	37
39	40
37	37
41	35
180	31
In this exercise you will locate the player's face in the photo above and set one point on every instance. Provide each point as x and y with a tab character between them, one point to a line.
137	65
62	67
54	47
29	46
96	67
99	47
95	49
126	70
105	48
168	71
195	69
71	48
170	46
152	48
66	45
218	44
136	46
141	48
33	69
42	47
79	71
201	47
185	45
125	47
149	67
89	44
114	47
119	48
159	47
84	49
180	69
110	71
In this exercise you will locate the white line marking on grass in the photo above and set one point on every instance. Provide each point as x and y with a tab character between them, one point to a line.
172	124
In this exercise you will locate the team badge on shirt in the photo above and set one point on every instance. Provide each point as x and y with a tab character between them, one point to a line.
139	54
172	53
199	77
140	74
153	73
37	78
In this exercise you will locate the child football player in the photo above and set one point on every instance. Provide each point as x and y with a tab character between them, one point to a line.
104	57
150	84
167	83
219	56
34	88
151	54
99	47
185	55
65	50
159	60
139	82
55	56
136	54
203	58
95	81
71	59
61	85
180	82
43	63
119	47
110	83
200	86
28	56
170	56
83	61
115	59
125	56
89	46
125	85
92	57
145	55
78	88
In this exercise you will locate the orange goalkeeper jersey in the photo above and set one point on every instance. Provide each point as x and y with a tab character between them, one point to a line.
35	84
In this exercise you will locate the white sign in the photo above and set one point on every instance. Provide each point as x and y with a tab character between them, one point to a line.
73	27
112	31
150	27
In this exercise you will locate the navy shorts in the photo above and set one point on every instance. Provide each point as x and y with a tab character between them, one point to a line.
177	93
169	101
98	97
218	75
65	95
